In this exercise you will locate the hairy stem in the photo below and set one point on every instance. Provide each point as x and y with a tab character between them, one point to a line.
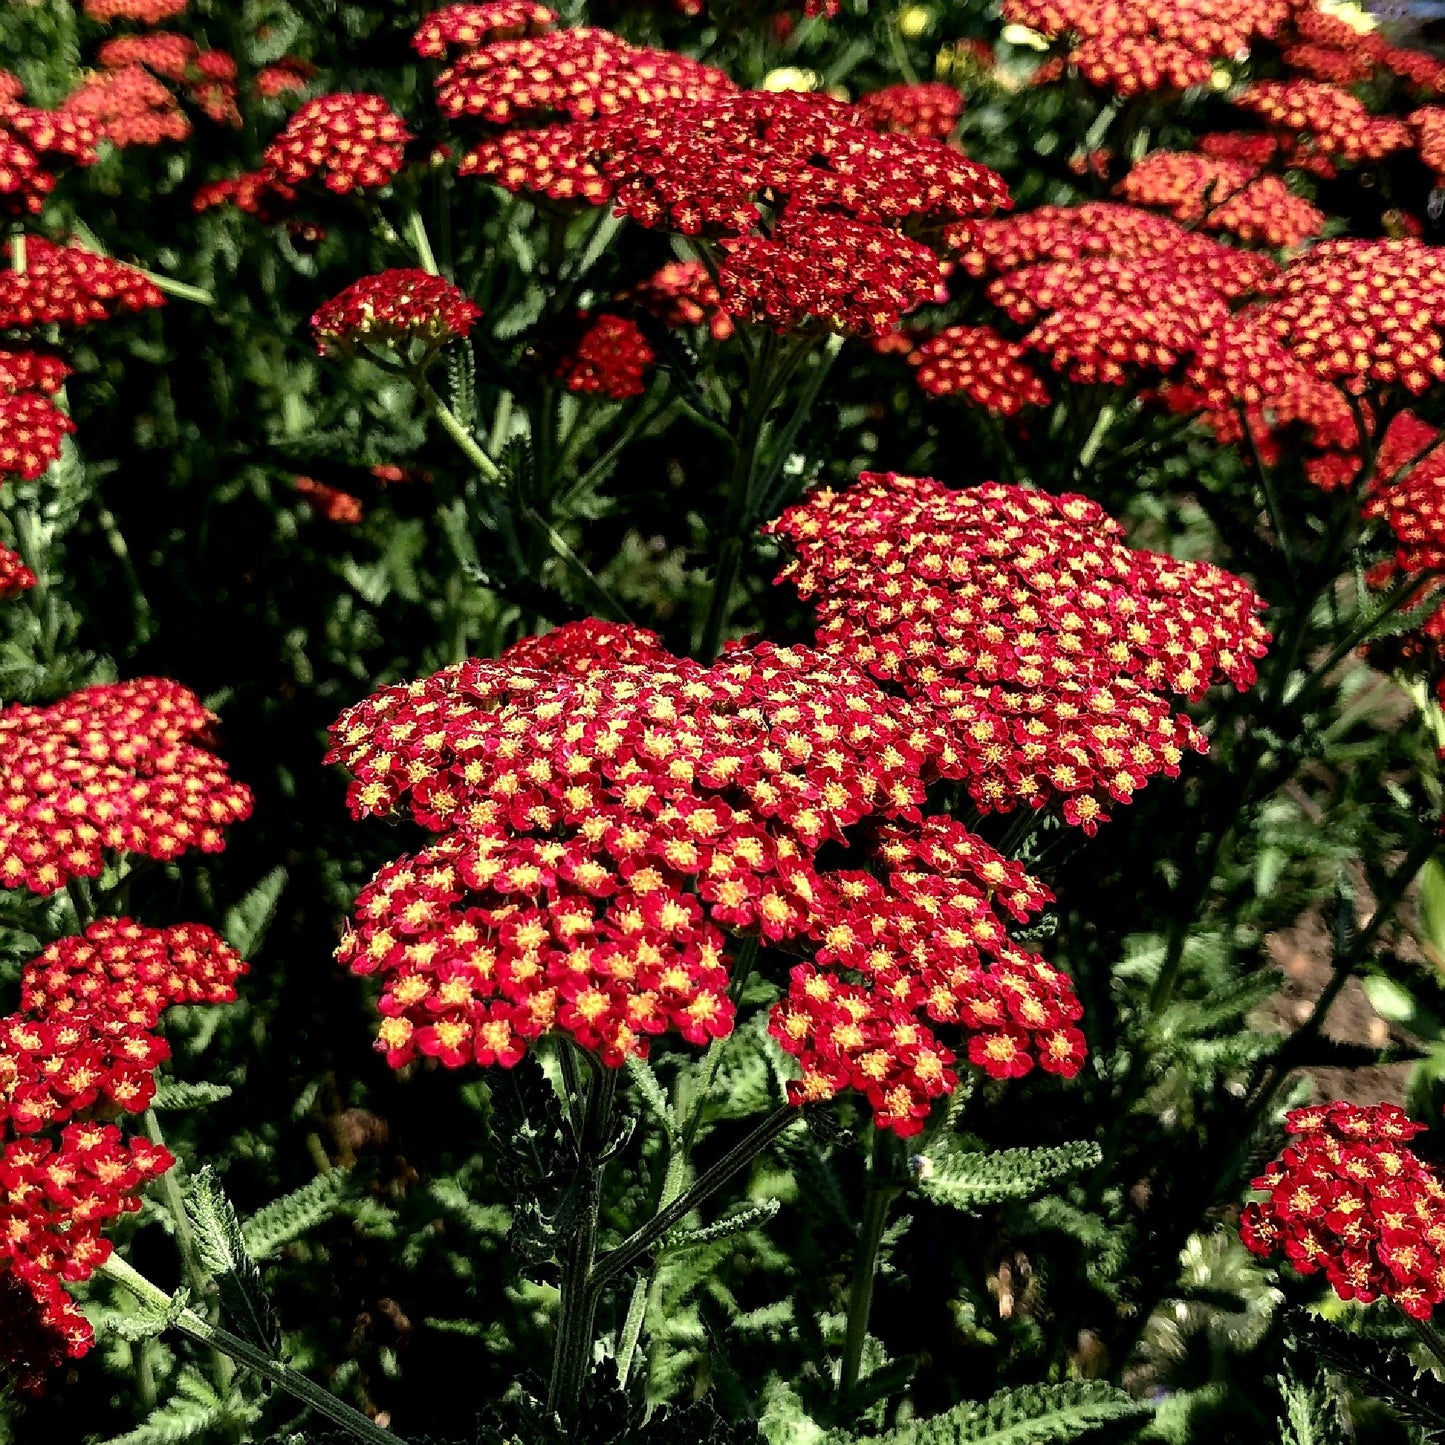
193	1327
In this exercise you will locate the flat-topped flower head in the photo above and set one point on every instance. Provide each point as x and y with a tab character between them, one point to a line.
977	363
608	357
345	142
403	309
69	286
1349	1198
32	143
575	74
58	1197
820	218
1050	651
468	27
115	768
683	293
590	645
1329	121
130	970
929	108
1133	46
607	830
139	12
1363	314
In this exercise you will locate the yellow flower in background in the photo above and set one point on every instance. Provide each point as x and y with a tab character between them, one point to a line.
789	77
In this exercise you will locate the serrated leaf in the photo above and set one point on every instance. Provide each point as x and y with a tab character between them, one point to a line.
225	1259
1387	1374
736	1223
245	925
147	1321
289	1217
975	1179
650	1090
177	1094
187	1415
1029	1415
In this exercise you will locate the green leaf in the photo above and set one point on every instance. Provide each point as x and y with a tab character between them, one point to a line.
1311	1414
289	1217
1378	1370
187	1415
1029	1415
652	1093
225	1259
735	1223
177	1094
146	1322
974	1179
1432	905
245	925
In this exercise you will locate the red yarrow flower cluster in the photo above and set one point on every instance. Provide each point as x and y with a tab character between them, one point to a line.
810	205
682	293
141	12
1134	46
333	503
68	286
394	310
1349	1198
81	1050
15	576
610	357
1222	195
929	108
1407	492
1049	649
345	142
1325	119
605	827
32	142
32	427
118	767
130	107
1363	314
978	363
467	27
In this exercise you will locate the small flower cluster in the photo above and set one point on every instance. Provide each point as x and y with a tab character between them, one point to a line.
810	205
81	1049
605	824
68	286
1407	492
392	310
1349	1198
32	427
577	74
15	576
1222	194
1329	121
332	503
469	26
929	108
1048	648
1363	314
1134	46
118	767
1428	123
31	143
345	142
140	12
609	357
681	293
129	107
288	76
976	362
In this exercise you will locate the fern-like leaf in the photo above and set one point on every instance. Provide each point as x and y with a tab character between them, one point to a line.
974	1179
146	1322
1377	1370
177	1094
293	1214
245	925
224	1257
737	1222
1029	1415
188	1415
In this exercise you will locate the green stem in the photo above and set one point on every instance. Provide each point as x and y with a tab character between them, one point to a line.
577	1310
632	1329
193	1327
1429	1337
883	1189
617	1261
421	242
470	447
